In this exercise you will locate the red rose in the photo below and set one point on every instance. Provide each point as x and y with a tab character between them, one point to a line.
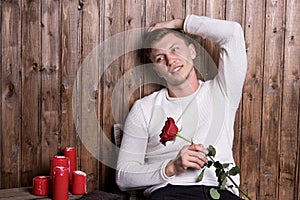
169	131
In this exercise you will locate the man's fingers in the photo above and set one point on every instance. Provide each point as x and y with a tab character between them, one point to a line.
199	148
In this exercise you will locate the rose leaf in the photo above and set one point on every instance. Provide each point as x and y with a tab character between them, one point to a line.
214	193
200	177
209	164
225	165
218	165
234	171
223	184
211	151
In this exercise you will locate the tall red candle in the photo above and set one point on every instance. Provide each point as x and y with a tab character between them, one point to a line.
41	185
79	182
59	161
70	152
60	183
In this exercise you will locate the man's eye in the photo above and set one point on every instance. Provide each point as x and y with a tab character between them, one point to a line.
175	49
159	59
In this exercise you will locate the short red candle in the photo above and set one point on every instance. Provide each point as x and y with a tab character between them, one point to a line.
60	183
59	161
79	182
41	185
70	152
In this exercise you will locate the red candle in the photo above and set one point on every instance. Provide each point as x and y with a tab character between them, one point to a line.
60	183
41	185
59	161
70	152
79	182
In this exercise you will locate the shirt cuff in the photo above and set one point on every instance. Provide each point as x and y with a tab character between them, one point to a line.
163	171
185	23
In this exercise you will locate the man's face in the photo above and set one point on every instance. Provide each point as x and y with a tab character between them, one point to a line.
173	59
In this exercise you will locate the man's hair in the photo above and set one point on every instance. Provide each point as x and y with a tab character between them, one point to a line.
150	38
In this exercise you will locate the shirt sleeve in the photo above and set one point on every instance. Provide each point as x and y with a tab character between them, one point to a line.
233	60
133	172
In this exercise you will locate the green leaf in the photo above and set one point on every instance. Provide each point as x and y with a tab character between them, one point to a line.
218	165
221	176
209	164
223	184
234	171
218	172
211	151
200	177
214	193
225	165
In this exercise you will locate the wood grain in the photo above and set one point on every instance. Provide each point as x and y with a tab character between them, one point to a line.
289	157
90	38
70	58
114	23
252	96
272	81
10	99
50	83
31	154
133	65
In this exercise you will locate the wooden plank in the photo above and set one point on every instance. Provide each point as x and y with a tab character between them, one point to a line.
31	86
133	77
77	92
235	12
1	94
113	24
214	9
269	158
11	99
175	9
25	193
156	12
51	81
90	38
196	7
288	182
70	64
252	108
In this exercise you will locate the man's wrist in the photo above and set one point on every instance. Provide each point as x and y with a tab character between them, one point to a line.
179	23
170	169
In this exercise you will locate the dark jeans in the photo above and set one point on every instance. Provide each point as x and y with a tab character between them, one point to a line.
195	192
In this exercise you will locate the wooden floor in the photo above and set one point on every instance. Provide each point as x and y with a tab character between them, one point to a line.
25	194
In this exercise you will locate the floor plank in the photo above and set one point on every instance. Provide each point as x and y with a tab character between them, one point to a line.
25	194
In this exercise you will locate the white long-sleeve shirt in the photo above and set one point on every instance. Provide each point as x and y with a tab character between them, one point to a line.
207	116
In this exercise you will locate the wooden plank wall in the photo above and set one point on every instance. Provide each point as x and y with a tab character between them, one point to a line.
44	42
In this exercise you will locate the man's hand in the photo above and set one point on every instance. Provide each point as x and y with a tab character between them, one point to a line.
192	156
172	24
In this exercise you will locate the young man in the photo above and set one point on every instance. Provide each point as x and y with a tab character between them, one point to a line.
203	111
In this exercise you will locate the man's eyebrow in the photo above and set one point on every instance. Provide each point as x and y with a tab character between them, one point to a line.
174	44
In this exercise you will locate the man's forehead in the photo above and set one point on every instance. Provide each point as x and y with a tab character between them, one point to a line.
168	39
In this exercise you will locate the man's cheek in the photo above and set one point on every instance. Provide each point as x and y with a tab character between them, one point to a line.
159	70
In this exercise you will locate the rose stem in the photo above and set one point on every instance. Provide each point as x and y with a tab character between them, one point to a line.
244	193
184	138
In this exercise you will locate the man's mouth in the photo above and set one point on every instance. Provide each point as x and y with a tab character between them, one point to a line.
176	69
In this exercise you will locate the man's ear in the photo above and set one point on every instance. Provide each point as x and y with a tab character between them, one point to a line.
192	50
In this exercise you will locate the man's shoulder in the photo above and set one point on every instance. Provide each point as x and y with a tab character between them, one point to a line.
145	104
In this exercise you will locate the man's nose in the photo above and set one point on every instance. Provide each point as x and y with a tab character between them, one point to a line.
171	58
